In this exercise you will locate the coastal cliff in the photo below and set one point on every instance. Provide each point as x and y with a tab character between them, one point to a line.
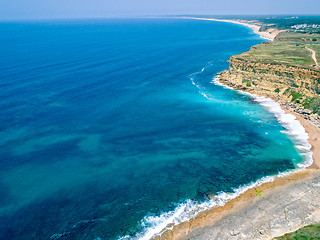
295	86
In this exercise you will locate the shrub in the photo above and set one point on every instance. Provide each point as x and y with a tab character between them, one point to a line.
286	91
248	84
308	233
277	90
312	103
295	95
307	101
315	105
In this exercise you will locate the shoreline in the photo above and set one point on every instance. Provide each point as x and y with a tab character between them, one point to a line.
207	224
311	129
208	219
266	35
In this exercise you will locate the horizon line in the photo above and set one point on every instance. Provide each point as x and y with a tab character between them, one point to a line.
153	16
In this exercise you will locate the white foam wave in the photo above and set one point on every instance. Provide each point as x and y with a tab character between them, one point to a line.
156	225
294	130
216	82
200	88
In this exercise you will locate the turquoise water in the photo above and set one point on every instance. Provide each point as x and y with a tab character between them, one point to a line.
106	122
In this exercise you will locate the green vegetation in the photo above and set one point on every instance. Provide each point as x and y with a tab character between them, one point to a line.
311	232
248	83
286	91
296	96
314	105
287	22
278	22
304	24
292	49
259	193
306	103
289	48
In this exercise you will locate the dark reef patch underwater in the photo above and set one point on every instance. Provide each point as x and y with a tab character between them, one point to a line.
109	127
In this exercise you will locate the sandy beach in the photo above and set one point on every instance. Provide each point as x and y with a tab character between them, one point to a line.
285	205
270	35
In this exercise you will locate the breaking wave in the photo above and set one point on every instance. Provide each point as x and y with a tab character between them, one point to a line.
156	225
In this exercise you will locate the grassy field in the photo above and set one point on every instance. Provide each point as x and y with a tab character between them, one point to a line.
311	232
289	48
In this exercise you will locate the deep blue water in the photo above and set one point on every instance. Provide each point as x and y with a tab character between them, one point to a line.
101	125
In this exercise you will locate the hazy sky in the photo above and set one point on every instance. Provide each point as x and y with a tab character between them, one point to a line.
21	9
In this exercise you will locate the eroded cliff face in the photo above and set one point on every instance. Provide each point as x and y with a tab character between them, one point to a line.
272	79
294	88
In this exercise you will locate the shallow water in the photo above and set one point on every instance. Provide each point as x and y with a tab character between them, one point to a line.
106	122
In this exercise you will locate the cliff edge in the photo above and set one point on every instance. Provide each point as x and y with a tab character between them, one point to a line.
284	70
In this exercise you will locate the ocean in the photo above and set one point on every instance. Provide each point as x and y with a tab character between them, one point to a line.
114	128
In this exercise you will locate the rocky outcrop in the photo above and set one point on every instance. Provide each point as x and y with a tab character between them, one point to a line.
285	209
268	77
277	81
